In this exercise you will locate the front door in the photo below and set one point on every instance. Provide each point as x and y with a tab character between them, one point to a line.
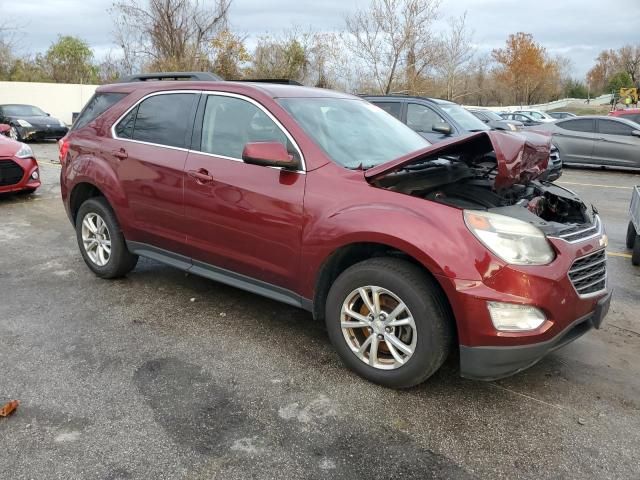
422	119
616	145
242	218
149	151
575	139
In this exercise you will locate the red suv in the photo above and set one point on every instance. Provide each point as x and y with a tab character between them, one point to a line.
324	201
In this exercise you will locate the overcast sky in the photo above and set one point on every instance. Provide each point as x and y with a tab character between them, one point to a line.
578	29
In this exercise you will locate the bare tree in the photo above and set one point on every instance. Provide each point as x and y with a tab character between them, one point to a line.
392	38
629	59
168	34
456	55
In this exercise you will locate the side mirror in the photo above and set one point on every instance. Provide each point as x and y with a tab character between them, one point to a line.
268	154
635	133
443	128
4	129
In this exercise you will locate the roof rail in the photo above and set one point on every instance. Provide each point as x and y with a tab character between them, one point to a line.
144	77
284	81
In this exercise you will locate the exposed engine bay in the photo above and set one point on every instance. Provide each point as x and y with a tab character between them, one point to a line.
492	173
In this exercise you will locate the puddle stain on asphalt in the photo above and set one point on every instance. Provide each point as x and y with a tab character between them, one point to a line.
201	416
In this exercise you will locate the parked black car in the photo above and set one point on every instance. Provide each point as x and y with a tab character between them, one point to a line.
31	123
526	120
494	120
436	119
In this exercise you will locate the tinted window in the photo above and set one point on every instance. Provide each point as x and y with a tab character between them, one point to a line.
124	129
610	127
633	118
164	119
393	108
580	125
230	123
96	106
421	118
23	111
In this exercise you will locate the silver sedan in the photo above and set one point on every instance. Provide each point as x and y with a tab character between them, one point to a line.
596	140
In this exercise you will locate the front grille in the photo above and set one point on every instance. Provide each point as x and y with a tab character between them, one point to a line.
10	172
589	273
578	233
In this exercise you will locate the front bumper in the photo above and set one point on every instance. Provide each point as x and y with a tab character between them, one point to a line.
42	133
492	363
26	181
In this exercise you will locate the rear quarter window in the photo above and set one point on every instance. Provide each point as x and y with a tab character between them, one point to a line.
96	106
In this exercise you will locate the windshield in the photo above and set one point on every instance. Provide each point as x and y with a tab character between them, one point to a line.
22	111
467	120
492	115
353	132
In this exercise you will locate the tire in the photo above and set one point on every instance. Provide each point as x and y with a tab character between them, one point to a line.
631	235
119	261
14	134
426	303
635	254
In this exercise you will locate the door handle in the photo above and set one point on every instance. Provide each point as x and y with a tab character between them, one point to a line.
201	175
121	154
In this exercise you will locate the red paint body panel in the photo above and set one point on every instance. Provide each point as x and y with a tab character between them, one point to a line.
625	112
280	227
8	150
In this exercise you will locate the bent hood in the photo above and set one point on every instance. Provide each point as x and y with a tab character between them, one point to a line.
520	156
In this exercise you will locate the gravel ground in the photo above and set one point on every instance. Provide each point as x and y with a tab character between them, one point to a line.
132	379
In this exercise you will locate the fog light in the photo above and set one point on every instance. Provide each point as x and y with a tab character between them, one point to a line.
35	175
510	317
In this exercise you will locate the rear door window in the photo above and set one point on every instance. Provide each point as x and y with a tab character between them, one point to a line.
611	127
580	125
165	119
392	108
421	118
96	106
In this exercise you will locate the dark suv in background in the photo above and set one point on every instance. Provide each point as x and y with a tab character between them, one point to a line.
436	120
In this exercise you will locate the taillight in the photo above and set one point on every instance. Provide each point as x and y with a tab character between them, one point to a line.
63	145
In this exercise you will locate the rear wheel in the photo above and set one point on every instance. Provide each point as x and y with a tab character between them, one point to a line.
631	235
101	242
389	322
635	254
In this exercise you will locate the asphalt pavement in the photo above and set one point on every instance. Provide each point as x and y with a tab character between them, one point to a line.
167	375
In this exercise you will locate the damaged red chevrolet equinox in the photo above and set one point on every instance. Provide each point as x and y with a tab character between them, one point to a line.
321	200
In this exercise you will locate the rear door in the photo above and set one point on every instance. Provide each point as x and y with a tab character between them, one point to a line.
242	218
422	119
392	107
615	144
575	138
149	150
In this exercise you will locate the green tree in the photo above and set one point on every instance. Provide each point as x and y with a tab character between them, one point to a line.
70	60
618	81
575	89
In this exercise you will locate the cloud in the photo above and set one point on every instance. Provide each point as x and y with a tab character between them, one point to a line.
577	29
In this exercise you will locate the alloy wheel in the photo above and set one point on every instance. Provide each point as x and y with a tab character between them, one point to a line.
96	239
378	327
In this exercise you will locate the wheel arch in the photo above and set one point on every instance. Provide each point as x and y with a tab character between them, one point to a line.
352	253
80	193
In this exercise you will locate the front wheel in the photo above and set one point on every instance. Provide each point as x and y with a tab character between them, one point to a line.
635	254
389	322
14	134
101	242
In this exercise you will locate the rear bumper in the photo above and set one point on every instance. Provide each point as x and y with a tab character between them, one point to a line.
491	362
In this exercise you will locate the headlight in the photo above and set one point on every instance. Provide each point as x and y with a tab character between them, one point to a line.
62	124
512	240
24	123
24	152
512	127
